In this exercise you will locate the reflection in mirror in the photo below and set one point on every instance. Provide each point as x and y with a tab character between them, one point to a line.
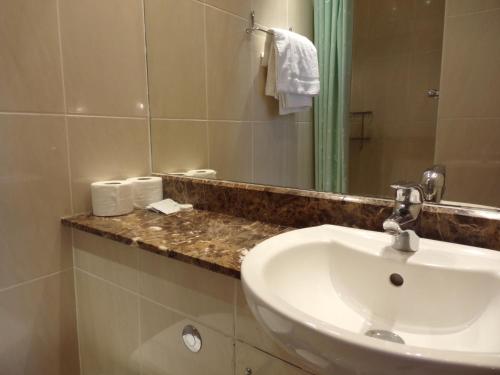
405	85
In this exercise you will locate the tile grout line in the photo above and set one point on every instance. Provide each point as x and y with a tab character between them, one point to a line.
30	281
148	101
205	46
142	296
70	186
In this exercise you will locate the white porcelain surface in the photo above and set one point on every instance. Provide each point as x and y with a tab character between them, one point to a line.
318	290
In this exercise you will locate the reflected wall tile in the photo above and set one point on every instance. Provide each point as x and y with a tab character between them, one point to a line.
230	150
300	156
460	7
105	149
265	108
228	67
108	327
462	140
179	145
176	58
269	149
204	295
239	7
34	195
38	327
104	57
471	53
30	61
163	352
262	363
301	17
107	259
473	181
270	13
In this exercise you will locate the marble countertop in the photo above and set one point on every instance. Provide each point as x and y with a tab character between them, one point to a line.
208	239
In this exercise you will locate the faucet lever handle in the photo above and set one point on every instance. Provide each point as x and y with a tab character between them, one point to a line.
408	192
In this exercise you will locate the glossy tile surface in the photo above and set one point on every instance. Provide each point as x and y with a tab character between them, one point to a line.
31	78
105	149
163	351
107	259
38	327
262	363
104	57
228	67
206	296
175	32
108	326
230	150
179	145
34	194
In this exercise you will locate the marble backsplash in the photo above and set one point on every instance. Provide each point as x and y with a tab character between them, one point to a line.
301	208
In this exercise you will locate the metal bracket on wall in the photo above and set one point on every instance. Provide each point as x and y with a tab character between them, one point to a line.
362	138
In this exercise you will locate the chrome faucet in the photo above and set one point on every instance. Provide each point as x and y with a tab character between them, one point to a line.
407	207
408	204
433	183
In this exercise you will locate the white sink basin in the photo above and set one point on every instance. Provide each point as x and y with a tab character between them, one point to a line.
319	290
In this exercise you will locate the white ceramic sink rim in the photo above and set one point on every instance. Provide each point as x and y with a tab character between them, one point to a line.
254	281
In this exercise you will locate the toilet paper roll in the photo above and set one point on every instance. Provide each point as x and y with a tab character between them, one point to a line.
112	198
146	190
202	173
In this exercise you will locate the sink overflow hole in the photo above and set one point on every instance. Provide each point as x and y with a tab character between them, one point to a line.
396	279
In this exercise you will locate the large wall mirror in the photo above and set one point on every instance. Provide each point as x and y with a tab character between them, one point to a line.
407	84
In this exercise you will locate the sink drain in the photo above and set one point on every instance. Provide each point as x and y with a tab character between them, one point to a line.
384	335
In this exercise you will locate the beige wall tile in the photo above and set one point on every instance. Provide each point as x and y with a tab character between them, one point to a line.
30	62
300	156
265	108
473	181
179	145
108	259
204	295
104	149
270	153
108	327
163	352
38	327
239	7
176	58
230	150
249	330
104	57
34	195
468	139
228	67
271	13
262	363
470	80
459	7
301	17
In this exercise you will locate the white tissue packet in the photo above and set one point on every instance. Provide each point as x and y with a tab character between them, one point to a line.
168	206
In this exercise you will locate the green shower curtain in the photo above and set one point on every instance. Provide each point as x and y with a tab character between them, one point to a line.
333	39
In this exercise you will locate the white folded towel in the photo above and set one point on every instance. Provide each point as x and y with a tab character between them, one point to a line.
293	72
